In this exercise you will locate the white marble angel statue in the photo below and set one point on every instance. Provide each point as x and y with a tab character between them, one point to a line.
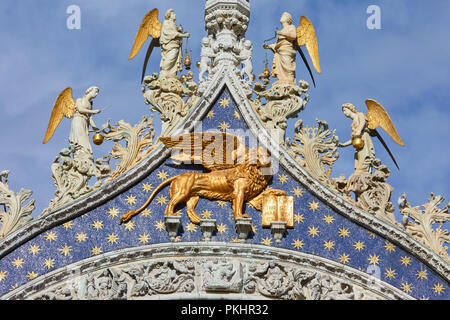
363	128
80	111
289	41
167	35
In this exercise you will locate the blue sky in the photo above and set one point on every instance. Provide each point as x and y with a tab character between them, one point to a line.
405	66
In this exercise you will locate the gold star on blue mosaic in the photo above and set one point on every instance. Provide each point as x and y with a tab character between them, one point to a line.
298	244
113	212
328	219
190	227
96	250
131	200
222	228
97	225
144	238
147	187
283	178
221	203
2	275
422	275
344	258
161	200
359	245
406	287
329	245
34	249
18	263
389	247
224	102
405	261
65	250
49	263
438	288
266	241
146	212
81	237
313	231
343	232
390	274
160	226
298	218
162	175
51	236
210	114
129	226
224	126
298	192
313	206
374	259
236	115
68	225
206	214
31	275
112	238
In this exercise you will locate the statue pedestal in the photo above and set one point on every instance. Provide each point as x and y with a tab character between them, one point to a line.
243	227
278	229
208	226
173	224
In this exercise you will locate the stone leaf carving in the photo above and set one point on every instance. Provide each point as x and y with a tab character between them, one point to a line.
165	95
16	212
283	101
419	223
71	176
315	149
162	278
372	192
138	143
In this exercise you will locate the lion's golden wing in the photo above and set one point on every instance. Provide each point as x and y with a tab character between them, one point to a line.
64	106
214	150
377	116
150	26
306	36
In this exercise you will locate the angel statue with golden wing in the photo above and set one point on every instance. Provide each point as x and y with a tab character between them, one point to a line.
80	111
166	35
289	41
363	128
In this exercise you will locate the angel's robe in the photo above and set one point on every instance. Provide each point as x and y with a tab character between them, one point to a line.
79	131
284	65
171	53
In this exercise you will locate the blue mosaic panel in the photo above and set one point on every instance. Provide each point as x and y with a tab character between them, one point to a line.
317	230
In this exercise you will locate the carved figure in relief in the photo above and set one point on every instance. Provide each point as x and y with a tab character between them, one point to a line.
246	59
206	56
237	174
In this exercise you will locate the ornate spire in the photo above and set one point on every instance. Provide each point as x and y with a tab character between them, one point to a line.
226	22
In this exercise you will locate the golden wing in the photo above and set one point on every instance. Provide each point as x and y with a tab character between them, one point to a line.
377	116
213	150
306	36
150	26
64	106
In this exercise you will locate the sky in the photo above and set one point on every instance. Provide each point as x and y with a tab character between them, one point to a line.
405	66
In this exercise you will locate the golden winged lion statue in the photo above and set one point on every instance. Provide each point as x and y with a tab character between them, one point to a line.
364	126
166	35
236	174
290	40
